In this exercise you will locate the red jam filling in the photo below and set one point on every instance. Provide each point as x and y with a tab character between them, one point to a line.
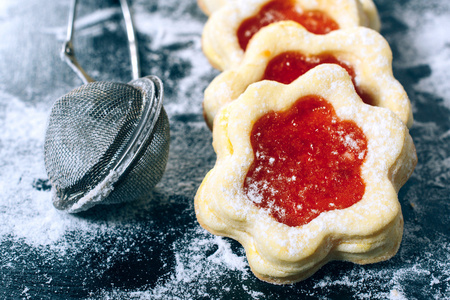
288	66
306	161
281	10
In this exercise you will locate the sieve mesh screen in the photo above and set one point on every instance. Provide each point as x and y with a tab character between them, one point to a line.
89	129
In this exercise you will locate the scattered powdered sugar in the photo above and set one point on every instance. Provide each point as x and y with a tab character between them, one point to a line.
22	135
426	42
154	248
204	260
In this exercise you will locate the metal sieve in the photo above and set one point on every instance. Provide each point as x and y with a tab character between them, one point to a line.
106	142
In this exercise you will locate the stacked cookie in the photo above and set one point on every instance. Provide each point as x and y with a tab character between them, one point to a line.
311	134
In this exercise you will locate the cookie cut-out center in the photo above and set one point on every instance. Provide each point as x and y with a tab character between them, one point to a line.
289	65
306	161
314	21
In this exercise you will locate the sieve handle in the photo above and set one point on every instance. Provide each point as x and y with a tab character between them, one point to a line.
132	42
68	52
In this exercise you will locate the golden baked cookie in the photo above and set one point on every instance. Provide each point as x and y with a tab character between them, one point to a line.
369	8
372	14
362	51
227	32
307	173
210	6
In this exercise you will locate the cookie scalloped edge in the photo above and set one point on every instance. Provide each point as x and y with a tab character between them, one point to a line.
367	232
220	43
364	49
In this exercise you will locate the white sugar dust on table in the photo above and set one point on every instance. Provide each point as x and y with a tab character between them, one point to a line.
154	248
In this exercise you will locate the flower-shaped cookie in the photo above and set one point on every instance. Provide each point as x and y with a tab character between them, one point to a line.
210	6
362	51
228	31
307	173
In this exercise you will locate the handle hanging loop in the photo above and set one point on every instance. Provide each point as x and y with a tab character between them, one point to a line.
68	52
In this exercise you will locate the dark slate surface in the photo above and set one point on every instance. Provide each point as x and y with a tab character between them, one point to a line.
155	248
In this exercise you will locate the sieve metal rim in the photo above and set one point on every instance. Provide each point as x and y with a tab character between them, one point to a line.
143	134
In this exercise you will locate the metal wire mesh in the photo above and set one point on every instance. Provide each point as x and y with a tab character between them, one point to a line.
89	129
149	169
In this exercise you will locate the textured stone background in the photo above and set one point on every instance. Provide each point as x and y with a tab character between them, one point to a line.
154	248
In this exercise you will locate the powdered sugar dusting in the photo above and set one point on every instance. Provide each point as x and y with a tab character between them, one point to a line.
427	23
154	248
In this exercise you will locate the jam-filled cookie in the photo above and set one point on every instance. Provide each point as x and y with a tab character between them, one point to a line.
363	52
369	8
228	31
307	173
